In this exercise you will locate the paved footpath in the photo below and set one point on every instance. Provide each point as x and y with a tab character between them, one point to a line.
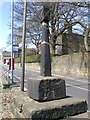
0	96
0	102
5	100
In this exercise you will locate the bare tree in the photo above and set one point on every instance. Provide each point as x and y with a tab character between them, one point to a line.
63	16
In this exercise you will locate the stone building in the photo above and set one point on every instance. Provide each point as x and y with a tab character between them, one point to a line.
69	43
5	55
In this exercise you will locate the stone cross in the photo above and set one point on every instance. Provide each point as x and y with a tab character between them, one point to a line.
45	47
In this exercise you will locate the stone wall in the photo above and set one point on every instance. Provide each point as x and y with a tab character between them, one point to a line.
76	64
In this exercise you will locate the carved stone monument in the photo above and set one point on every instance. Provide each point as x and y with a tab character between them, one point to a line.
46	95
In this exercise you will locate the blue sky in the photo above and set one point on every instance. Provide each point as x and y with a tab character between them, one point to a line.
5	14
4	21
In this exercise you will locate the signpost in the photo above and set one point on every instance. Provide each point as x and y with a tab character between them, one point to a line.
12	8
15	48
23	45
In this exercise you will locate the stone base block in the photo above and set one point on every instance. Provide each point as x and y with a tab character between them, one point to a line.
79	116
16	112
25	107
46	88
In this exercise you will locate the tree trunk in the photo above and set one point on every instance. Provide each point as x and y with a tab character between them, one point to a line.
86	39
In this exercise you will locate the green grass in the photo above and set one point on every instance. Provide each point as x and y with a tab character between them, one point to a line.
29	59
32	58
8	89
0	84
17	60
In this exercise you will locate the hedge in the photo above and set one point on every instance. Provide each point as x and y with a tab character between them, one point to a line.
29	59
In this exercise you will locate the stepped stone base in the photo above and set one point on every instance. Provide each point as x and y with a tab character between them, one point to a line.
46	88
25	107
83	115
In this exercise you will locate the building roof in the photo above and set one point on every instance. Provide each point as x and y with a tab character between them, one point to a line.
6	54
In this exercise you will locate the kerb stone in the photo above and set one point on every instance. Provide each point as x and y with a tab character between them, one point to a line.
46	88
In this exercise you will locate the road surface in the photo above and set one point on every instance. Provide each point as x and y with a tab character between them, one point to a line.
74	87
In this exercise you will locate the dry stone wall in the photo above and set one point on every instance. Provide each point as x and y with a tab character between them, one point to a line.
76	64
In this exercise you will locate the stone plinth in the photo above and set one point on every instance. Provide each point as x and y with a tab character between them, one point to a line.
25	107
46	88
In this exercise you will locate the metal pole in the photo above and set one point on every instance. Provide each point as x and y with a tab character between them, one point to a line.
23	46
12	8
